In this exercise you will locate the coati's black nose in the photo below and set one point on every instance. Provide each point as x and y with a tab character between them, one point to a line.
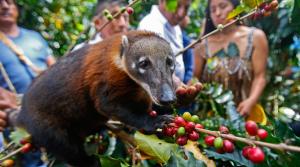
167	95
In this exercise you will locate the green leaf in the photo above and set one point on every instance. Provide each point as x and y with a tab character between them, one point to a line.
19	134
233	50
154	147
209	89
112	146
171	5
295	15
225	97
109	162
217	91
252	3
236	157
187	160
237	11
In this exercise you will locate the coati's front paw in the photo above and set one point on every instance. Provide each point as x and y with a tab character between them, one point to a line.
163	120
158	122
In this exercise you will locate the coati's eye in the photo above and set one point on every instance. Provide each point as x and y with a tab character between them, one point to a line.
144	64
170	62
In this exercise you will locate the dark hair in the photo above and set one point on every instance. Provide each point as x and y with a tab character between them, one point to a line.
104	4
209	25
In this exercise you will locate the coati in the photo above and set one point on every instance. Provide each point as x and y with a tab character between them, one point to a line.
119	78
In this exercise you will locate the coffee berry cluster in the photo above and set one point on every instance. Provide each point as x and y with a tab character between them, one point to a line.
221	145
26	146
265	9
253	153
183	128
106	13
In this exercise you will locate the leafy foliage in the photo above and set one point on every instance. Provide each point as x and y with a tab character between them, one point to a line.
17	135
171	5
156	148
190	161
60	22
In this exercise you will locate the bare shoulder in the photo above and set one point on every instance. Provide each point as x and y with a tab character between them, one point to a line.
199	49
258	34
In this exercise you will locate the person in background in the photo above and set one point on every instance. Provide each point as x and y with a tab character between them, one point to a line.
23	55
188	57
117	25
235	57
166	24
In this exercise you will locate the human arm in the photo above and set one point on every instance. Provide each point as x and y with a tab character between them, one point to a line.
186	93
199	60
7	101
259	63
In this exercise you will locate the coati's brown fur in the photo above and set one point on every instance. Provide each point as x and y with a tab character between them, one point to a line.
118	78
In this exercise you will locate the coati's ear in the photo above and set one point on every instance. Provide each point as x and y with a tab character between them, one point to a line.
124	45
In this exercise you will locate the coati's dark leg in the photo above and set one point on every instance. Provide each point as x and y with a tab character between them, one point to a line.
140	119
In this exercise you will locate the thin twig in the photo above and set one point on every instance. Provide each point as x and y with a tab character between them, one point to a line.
51	163
121	134
11	154
215	31
118	14
7	147
101	28
6	78
280	146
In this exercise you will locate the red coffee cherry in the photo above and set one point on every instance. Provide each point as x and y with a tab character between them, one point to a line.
224	129
262	134
245	151
129	10
256	155
190	126
153	113
199	126
228	146
179	121
251	128
182	140
194	136
26	148
168	131
209	140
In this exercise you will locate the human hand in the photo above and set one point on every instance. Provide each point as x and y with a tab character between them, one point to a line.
3	120
187	93
245	107
7	99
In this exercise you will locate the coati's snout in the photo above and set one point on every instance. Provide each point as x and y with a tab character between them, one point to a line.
167	95
151	63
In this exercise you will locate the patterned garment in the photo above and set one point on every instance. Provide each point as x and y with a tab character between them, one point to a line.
230	69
